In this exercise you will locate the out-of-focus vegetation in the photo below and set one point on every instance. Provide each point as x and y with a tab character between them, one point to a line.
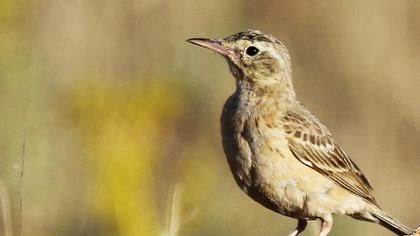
116	110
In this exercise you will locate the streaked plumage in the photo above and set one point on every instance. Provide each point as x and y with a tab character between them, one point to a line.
312	144
279	153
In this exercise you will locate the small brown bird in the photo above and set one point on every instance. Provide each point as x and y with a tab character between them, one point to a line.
280	154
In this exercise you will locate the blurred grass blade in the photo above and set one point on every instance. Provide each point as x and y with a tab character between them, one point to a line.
5	211
173	213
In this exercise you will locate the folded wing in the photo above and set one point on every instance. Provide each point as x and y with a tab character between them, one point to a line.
312	144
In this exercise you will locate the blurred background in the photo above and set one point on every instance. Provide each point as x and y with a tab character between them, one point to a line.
113	118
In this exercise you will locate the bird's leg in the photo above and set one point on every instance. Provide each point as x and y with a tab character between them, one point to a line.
300	227
326	225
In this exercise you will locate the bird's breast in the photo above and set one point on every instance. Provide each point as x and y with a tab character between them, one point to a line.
256	151
250	140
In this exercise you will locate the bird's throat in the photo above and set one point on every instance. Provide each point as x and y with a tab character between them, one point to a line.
274	90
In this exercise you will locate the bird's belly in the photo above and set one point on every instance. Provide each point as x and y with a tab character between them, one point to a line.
290	188
276	185
266	174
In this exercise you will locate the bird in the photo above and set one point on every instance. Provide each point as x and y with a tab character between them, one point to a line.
279	153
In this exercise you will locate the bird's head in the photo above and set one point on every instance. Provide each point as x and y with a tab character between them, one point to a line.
253	56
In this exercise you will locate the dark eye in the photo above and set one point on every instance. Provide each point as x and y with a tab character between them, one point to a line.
252	51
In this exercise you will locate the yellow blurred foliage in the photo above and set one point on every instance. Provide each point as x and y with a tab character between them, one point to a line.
120	126
8	9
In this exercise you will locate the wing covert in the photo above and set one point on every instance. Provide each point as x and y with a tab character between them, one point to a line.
312	144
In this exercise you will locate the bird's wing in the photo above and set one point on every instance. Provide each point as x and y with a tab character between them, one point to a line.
311	143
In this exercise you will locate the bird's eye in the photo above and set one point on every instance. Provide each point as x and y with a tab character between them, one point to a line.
252	51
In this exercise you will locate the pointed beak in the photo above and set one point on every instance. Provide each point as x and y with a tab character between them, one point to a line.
212	44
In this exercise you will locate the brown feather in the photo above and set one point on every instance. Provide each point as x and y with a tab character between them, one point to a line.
321	153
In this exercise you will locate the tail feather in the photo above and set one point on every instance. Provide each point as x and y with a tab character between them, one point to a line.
392	224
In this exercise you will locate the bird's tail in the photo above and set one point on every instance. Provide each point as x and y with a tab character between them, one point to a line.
392	224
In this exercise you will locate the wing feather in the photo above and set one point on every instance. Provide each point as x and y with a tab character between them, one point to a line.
312	144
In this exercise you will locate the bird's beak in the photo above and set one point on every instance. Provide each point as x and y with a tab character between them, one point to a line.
215	45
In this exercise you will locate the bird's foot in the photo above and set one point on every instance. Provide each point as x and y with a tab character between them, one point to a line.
300	227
